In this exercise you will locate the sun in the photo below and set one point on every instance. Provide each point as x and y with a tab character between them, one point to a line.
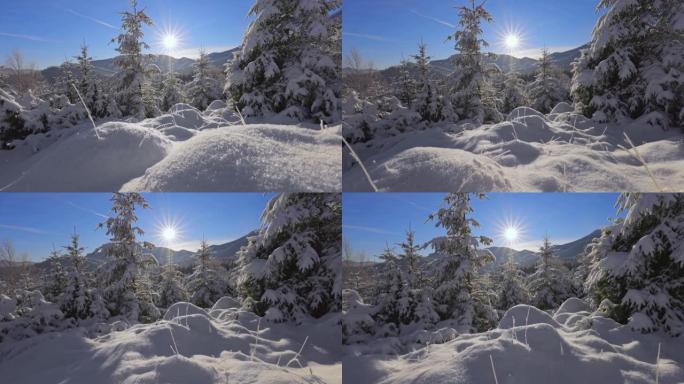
511	234
170	41
169	233
510	231
512	41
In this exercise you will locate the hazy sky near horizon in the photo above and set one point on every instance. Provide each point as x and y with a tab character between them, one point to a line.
48	31
34	222
385	31
370	221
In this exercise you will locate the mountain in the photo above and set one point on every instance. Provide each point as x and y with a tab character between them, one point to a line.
224	252
568	252
444	67
107	67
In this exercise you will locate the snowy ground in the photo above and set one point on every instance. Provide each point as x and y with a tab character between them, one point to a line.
216	346
562	151
529	347
185	150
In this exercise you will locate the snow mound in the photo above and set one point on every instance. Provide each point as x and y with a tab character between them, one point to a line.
183	309
562	108
193	348
94	161
522	315
226	302
248	158
562	151
540	352
573	305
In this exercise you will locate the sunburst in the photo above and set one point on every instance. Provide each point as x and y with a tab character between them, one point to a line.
510	231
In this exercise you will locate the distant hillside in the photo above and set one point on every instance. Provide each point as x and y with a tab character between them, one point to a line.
107	67
444	67
225	253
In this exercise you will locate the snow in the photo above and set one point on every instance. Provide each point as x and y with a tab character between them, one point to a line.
561	151
258	157
590	349
209	350
183	150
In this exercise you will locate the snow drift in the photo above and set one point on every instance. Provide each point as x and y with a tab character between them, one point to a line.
531	346
180	151
189	346
561	151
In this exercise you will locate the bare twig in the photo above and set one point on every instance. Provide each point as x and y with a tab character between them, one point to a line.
88	111
363	168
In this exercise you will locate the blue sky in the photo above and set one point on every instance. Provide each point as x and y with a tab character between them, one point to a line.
384	31
372	220
36	221
47	31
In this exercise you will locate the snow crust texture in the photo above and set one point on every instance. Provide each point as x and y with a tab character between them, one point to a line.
530	151
191	345
531	346
184	150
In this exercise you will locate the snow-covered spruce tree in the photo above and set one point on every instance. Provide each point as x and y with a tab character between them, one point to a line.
635	64
393	300
287	64
456	280
470	81
291	269
151	99
513	92
405	85
66	82
171	290
147	297
638	263
409	255
549	285
88	86
57	279
206	285
126	258
545	92
131	75
431	106
203	89
511	288
74	302
172	93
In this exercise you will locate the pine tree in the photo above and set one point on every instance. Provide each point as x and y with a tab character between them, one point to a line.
394	302
287	65
127	259
411	259
545	92
206	284
512	290
151	99
88	86
66	82
638	263
470	82
147	297
291	269
203	89
461	260
406	85
172	290
172	93
76	301
131	75
57	280
431	106
635	64
548	285
513	93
